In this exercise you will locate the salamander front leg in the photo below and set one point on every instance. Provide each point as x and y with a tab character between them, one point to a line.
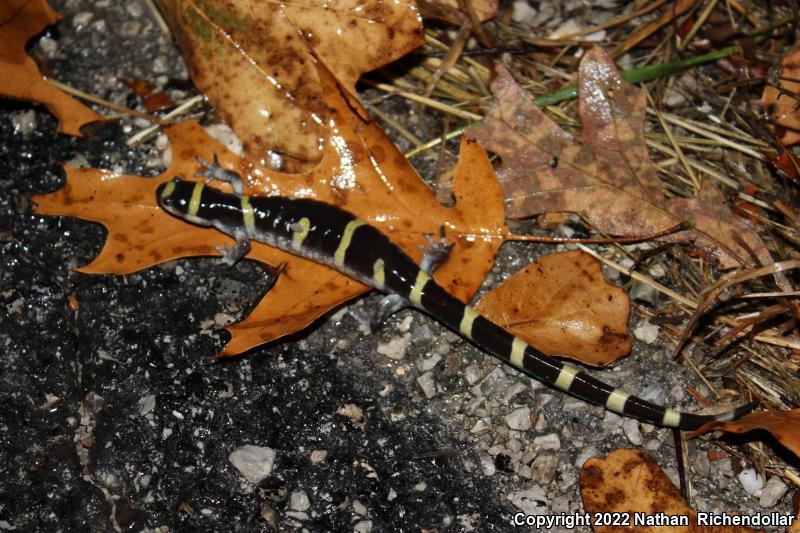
436	252
231	254
213	171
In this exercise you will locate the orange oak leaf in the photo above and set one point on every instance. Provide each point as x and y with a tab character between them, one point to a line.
784	425
782	105
257	66
361	171
562	305
608	178
631	483
19	21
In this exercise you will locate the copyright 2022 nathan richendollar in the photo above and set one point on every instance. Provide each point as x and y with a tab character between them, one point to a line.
626	519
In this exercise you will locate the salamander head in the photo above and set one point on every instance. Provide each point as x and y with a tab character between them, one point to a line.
181	198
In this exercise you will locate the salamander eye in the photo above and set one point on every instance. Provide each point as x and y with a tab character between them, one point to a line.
165	192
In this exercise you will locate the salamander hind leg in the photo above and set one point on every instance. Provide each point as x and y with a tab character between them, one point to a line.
231	254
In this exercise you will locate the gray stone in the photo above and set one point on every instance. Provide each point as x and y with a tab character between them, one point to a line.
543	469
299	501
772	492
532	501
630	427
519	419
254	462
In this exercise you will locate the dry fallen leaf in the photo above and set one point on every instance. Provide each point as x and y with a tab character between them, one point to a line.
152	99
630	482
361	171
19	21
608	178
562	305
784	426
451	10
257	66
782	106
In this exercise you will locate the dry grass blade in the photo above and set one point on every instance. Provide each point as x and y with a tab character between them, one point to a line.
726	281
647	30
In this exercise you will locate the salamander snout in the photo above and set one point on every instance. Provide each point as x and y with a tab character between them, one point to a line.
171	196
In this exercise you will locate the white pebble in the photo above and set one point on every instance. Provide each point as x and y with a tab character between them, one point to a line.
24	122
299	501
49	47
147	404
480	427
646	332
522	12
364	526
395	348
520	419
317	456
430	362
254	462
427	384
82	19
585	455
750	480
487	466
532	501
547	442
631	429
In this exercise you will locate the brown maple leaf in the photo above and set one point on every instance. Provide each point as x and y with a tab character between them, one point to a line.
257	66
562	305
361	170
19	21
608	178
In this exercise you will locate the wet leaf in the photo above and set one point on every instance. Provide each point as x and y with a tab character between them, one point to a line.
361	170
788	163
562	305
19	21
629	481
782	105
784	425
152	99
608	178
257	66
450	10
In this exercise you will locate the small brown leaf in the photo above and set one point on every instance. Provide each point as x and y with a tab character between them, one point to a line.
562	305
19	21
784	425
630	482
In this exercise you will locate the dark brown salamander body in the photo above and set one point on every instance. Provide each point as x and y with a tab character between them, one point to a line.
329	235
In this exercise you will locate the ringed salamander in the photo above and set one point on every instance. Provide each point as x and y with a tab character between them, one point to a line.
327	234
